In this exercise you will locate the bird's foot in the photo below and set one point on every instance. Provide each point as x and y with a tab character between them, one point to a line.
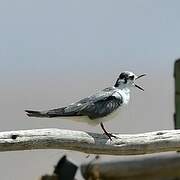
110	135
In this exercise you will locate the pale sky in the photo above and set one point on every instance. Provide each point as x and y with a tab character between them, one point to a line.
54	52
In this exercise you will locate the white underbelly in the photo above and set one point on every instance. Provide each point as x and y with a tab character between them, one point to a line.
94	122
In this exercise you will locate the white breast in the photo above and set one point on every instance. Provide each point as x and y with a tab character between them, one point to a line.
122	93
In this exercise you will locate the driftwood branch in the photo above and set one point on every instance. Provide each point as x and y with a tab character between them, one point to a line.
159	167
92	143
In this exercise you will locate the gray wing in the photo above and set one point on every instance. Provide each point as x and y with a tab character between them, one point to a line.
95	106
101	107
83	103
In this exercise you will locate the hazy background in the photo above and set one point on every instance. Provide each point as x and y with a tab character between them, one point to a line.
54	52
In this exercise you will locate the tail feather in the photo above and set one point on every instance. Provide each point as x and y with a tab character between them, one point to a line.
59	112
31	113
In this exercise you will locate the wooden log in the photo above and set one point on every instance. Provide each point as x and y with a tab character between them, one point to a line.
91	143
156	167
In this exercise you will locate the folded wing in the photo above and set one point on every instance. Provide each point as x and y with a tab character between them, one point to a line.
95	106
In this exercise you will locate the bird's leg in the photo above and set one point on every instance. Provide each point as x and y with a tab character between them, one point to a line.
109	135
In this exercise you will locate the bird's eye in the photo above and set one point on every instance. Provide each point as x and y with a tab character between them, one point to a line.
131	77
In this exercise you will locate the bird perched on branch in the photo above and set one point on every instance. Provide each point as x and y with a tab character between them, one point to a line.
98	107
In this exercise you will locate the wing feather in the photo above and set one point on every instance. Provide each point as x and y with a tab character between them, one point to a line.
95	106
102	107
88	101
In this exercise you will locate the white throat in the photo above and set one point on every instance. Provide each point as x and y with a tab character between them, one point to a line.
124	87
125	92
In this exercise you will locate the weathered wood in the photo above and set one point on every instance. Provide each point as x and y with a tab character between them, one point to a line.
156	167
92	143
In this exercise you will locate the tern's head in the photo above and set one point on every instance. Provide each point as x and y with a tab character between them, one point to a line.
127	79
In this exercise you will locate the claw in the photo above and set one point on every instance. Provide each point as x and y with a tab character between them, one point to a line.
109	135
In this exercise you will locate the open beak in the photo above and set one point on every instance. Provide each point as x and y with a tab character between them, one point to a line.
141	76
137	85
